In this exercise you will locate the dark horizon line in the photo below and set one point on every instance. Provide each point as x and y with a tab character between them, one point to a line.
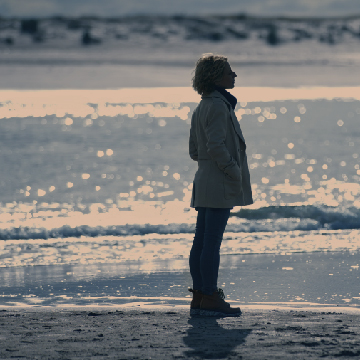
239	15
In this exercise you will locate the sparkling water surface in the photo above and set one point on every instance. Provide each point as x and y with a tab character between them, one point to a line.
66	164
96	194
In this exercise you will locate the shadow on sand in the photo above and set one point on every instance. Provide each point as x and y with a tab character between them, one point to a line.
209	340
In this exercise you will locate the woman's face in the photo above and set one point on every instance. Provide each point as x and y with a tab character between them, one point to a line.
228	79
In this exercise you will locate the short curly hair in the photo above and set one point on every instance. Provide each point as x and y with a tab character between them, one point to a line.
209	68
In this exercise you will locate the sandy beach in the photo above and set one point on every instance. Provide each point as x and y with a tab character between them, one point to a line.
170	333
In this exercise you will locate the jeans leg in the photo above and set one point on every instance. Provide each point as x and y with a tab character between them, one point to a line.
215	223
195	252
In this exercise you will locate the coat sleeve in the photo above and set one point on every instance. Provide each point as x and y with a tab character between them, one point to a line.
215	130
193	148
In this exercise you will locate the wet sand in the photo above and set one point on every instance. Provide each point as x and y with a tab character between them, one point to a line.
319	278
170	333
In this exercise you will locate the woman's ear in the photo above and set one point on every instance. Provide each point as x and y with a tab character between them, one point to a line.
217	82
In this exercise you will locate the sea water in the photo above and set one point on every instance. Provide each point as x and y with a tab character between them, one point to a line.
98	183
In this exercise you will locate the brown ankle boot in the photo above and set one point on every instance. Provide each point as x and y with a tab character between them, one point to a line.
215	305
195	302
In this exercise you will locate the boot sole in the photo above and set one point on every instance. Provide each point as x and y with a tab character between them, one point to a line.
194	312
214	313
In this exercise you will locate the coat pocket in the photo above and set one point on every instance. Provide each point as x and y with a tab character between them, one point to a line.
232	188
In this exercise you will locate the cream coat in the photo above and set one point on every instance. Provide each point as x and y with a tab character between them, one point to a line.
217	144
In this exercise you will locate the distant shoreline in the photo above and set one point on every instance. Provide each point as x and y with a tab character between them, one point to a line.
92	30
239	16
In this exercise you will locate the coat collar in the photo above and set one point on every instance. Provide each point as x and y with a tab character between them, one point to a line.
216	94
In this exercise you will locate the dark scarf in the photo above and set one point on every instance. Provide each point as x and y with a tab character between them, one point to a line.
230	98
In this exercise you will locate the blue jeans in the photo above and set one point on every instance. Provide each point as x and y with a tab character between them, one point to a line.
204	258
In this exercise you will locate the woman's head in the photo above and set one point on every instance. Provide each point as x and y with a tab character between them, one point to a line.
211	70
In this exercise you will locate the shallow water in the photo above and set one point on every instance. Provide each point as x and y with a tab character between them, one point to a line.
297	279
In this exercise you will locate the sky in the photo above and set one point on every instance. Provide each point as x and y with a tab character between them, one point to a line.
31	8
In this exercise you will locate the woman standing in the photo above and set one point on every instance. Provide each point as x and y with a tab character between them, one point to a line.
221	182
